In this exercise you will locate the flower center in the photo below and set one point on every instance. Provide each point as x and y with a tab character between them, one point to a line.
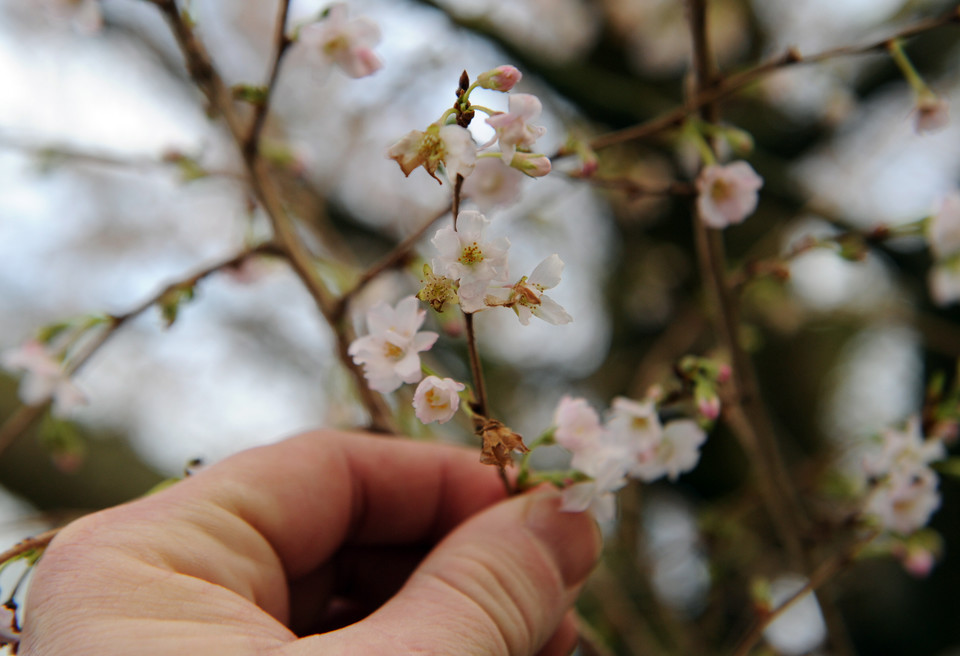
392	351
471	254
721	190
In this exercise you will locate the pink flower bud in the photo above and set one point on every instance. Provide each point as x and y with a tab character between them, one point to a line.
724	373
536	166
501	78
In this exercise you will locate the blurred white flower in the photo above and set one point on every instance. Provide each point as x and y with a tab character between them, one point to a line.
513	127
492	184
904	500
944	282
44	377
347	43
727	194
634	424
84	15
678	451
390	354
800	629
577	424
943	226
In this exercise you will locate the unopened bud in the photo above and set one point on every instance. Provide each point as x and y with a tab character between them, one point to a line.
501	78
536	166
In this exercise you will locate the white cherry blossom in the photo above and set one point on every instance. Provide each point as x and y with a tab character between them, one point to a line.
390	354
904	501
450	145
465	256
634	424
347	43
437	399
577	425
678	451
727	194
527	297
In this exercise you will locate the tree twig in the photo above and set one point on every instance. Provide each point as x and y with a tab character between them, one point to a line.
210	83
733	83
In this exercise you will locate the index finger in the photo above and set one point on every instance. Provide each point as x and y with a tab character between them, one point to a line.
310	494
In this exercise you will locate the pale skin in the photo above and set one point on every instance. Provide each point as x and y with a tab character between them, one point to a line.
279	550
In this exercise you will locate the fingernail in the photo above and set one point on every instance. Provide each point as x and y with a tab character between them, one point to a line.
573	539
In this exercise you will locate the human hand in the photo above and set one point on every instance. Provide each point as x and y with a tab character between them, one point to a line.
303	537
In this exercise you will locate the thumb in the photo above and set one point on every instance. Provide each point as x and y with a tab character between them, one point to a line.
499	584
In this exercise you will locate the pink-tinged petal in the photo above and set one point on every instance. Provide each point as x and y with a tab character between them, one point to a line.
471	224
424	341
363	32
492	184
551	312
447	242
359	62
409	316
943	227
525	105
380	318
437	399
408	369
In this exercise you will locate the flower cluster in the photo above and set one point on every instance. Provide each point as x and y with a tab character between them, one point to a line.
632	443
905	493
476	271
943	236
447	142
390	356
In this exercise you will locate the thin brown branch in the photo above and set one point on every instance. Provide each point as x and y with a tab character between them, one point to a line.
817	579
25	416
730	85
281	42
743	409
391	260
210	83
39	541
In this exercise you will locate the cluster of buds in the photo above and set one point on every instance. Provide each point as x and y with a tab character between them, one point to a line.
631	443
448	144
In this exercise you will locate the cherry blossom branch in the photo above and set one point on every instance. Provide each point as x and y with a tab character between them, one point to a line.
733	83
49	154
26	415
205	76
752	427
281	42
820	576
